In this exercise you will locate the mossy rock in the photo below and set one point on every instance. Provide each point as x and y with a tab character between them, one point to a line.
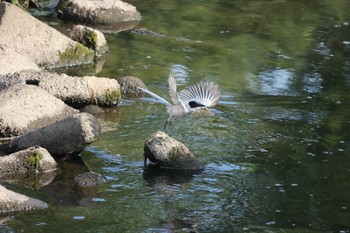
34	158
77	55
113	96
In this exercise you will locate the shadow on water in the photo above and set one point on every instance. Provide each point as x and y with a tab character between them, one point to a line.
161	178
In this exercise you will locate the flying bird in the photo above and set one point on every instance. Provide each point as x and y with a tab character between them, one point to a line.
201	95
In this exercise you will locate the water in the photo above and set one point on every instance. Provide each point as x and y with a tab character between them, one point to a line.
277	150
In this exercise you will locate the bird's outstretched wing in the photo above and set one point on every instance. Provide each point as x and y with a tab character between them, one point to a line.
172	88
202	94
160	99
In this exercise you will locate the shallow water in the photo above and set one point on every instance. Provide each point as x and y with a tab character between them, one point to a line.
277	150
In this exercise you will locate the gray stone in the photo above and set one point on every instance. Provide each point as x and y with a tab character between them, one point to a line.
64	138
11	61
23	34
11	202
89	179
33	159
129	86
25	108
91	38
76	91
169	153
98	11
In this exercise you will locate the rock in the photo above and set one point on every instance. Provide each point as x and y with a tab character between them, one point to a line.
147	32
89	179
92	109
97	11
77	91
37	41
64	138
169	153
91	38
33	159
11	61
25	108
129	86
14	202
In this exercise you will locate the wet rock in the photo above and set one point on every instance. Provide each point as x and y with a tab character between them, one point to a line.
91	38
33	159
146	32
37	41
169	153
64	138
11	202
129	86
92	109
76	91
26	108
97	11
89	179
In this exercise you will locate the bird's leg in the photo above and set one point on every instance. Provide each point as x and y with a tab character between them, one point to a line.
167	124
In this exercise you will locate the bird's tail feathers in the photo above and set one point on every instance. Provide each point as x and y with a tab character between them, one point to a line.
205	93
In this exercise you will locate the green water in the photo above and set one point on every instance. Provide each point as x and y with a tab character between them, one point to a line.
277	150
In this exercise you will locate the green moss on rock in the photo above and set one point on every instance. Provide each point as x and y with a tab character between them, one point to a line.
77	55
34	158
91	38
113	96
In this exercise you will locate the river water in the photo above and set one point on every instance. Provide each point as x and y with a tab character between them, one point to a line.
277	151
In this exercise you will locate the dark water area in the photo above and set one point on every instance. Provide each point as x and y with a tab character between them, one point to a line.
277	150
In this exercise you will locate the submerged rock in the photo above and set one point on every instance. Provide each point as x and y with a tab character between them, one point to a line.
33	159
89	179
129	86
25	108
14	202
64	138
169	153
33	39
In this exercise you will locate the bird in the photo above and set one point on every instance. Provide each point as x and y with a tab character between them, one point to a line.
201	95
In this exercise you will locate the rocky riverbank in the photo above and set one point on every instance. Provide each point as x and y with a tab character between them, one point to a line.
39	124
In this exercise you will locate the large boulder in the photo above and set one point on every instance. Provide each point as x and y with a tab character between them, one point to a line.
33	159
167	152
78	91
12	61
31	38
14	202
64	138
26	107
